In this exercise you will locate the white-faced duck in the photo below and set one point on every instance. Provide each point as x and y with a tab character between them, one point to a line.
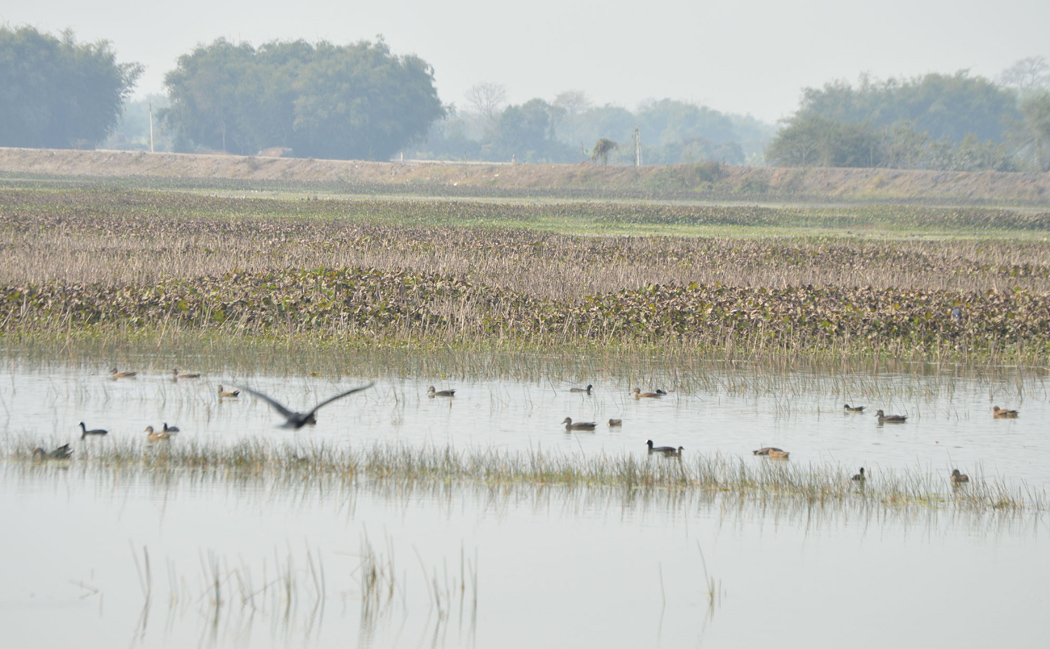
297	420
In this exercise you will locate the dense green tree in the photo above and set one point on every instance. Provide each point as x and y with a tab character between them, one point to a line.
814	140
57	92
941	105
326	101
1031	134
526	132
811	139
602	148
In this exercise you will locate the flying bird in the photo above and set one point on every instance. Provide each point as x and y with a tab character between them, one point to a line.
297	420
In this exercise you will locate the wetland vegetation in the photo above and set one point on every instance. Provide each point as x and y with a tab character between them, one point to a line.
860	282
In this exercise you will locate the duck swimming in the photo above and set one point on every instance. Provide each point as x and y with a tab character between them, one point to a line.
892	419
1003	413
84	432
61	453
638	394
579	425
666	450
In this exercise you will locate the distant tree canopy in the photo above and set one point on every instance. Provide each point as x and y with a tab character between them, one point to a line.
327	101
936	121
941	105
672	132
58	93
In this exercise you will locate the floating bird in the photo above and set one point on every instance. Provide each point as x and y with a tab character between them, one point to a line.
170	429
84	432
184	375
1003	413
860	476
431	392
121	375
959	478
228	393
638	394
61	453
766	450
892	419
669	451
580	425
297	420
778	454
850	408
615	422
156	436
586	389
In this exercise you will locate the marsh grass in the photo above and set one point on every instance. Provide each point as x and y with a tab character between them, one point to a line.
759	483
122	265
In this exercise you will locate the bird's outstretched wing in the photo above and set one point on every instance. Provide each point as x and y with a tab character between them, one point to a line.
285	412
338	396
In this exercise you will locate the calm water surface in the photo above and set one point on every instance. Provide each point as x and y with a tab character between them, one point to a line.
950	423
518	566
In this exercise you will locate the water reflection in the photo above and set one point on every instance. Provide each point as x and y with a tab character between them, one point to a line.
235	561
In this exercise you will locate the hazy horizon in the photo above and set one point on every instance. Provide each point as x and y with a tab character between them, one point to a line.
752	58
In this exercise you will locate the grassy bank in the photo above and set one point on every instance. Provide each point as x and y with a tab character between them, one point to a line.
705	180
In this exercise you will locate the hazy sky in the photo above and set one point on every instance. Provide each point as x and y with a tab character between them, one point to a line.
749	56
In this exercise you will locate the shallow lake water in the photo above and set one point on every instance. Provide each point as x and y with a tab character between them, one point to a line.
518	566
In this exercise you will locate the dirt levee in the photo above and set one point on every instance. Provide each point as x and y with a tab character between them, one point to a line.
704	178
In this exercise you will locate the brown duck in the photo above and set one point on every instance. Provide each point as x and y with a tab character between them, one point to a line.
1003	413
890	419
638	394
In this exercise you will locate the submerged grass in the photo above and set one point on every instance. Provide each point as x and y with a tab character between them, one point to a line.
748	480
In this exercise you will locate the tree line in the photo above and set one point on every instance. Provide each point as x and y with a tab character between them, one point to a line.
363	101
567	128
935	121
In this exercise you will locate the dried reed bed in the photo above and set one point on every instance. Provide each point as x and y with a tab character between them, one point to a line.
137	237
95	260
755	481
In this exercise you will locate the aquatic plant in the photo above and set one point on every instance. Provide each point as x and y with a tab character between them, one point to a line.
754	481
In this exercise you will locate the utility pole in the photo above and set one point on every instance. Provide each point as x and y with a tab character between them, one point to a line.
151	126
637	147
